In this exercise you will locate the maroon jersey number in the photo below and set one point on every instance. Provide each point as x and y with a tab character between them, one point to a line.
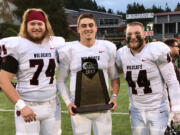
50	72
142	81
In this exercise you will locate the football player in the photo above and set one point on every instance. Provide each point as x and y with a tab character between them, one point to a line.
147	68
174	46
71	62
32	58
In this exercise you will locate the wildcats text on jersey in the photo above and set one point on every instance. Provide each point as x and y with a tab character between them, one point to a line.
39	55
131	67
93	57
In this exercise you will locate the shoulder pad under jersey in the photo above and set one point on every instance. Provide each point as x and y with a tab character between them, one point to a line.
160	52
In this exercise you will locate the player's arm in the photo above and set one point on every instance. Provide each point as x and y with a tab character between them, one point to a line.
118	62
63	74
170	78
169	75
8	71
115	82
63	89
161	55
7	87
115	85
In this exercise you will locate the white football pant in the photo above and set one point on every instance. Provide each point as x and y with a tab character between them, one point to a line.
48	120
149	122
101	123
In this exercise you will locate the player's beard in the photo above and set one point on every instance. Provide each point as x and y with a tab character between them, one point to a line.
88	39
36	39
139	39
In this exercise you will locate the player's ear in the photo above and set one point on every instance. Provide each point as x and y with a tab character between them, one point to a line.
96	27
78	29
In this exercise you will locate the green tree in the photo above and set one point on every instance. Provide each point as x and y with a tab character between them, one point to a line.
8	29
101	9
157	9
54	9
110	11
72	4
167	9
9	32
85	4
135	8
121	13
177	7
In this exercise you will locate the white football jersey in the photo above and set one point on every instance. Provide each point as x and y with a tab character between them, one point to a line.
37	65
146	83
71	59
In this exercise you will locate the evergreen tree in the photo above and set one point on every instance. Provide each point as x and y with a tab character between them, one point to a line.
121	13
54	9
167	9
72	4
85	4
135	8
157	9
177	7
101	9
110	11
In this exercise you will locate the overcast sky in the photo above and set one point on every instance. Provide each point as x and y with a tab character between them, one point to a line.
121	5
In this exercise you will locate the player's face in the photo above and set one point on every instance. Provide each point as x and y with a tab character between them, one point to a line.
135	37
36	30
175	49
87	29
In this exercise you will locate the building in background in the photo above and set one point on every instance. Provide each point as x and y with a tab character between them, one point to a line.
159	25
167	25
110	26
147	19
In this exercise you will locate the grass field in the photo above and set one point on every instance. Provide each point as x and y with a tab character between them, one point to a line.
121	125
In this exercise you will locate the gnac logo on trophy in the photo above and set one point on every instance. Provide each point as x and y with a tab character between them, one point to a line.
89	67
91	91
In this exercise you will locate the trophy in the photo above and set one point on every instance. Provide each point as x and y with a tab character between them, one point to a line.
91	93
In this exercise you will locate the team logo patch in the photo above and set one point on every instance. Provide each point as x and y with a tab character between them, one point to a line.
89	67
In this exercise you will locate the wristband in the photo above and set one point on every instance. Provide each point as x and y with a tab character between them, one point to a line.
20	104
114	96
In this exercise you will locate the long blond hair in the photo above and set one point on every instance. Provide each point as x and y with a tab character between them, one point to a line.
23	27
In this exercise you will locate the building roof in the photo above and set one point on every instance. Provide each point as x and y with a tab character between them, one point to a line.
97	12
70	11
167	13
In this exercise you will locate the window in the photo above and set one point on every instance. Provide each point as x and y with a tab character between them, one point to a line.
170	28
158	28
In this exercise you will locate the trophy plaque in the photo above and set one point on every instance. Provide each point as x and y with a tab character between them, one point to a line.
91	93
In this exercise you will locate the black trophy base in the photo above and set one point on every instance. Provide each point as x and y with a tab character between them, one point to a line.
95	108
